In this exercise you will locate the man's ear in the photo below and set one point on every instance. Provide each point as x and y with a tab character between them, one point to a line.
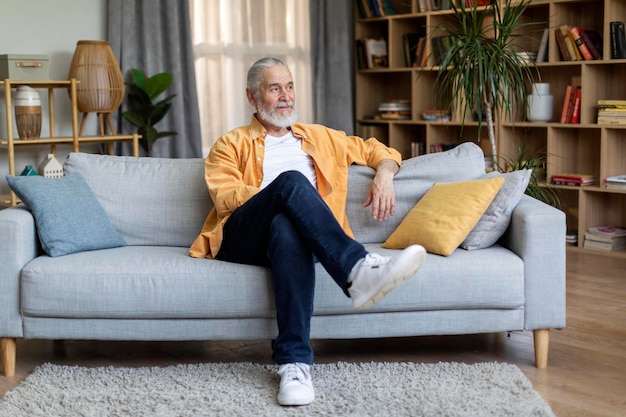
250	96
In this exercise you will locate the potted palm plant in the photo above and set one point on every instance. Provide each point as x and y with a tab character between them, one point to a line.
144	111
483	67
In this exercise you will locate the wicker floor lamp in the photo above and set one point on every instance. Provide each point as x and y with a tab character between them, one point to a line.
101	86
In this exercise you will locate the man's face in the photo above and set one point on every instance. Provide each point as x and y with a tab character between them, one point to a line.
276	98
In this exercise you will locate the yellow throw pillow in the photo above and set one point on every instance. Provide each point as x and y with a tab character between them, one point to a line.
443	218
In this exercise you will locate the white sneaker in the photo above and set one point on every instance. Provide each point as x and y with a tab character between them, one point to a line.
375	276
296	386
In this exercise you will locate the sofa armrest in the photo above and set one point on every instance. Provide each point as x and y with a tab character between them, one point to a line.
18	246
537	235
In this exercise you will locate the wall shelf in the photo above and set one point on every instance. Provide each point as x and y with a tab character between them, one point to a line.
13	144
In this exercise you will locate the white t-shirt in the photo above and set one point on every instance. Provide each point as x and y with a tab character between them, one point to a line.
285	154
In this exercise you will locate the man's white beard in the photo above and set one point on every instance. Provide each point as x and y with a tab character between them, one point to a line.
279	121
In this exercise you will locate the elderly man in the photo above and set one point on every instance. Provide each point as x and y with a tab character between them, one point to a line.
279	188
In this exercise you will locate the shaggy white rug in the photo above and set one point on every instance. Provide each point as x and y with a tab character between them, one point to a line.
247	389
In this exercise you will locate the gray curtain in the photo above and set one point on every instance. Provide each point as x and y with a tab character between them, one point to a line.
332	42
155	36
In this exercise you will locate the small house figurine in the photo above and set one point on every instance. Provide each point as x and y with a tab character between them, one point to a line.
50	167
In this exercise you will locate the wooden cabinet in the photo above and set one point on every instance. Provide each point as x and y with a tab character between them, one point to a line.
586	147
13	145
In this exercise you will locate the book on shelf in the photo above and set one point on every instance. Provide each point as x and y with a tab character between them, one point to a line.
570	114
372	53
563	51
618	40
572	49
542	53
575	179
606	233
375	8
593	41
442	147
433	5
616	182
440	46
418	148
411	42
574	32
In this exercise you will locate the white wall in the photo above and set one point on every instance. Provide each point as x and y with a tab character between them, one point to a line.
45	27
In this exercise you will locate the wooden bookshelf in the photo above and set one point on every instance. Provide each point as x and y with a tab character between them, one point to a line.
586	147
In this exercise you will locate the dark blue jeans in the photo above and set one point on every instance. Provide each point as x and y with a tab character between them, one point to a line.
287	227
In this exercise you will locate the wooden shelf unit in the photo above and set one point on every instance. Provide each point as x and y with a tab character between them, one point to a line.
586	147
12	144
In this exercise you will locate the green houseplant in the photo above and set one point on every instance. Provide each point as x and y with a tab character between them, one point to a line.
536	162
483	67
143	111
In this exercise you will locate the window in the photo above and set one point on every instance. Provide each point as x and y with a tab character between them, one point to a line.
228	37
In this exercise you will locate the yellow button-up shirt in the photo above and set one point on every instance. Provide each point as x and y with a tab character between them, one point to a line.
234	172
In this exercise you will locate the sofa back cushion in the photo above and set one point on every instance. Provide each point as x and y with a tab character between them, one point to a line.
150	201
416	176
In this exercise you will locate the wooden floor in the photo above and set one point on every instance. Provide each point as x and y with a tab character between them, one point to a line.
586	374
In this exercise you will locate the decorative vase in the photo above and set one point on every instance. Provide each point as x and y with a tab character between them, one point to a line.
101	83
27	112
540	103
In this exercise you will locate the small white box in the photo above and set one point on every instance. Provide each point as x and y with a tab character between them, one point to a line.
24	67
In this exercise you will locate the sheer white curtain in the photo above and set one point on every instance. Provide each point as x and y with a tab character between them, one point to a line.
228	36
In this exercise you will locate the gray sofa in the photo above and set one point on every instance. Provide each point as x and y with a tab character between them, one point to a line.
151	289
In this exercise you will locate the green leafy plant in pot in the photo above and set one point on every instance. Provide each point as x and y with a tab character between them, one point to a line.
483	68
537	186
143	111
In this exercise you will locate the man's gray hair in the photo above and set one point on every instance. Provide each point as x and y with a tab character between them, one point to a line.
255	72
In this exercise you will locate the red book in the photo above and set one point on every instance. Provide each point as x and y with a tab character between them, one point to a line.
575	118
593	40
566	100
584	51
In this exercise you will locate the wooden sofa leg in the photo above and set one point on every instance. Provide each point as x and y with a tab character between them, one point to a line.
542	341
7	352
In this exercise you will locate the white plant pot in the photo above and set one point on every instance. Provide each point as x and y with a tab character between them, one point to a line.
540	103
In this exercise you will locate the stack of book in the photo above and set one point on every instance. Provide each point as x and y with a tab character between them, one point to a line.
578	44
611	112
571	237
617	182
608	238
572	179
436	115
395	109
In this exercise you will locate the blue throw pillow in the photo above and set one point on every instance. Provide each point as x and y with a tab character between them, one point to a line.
68	216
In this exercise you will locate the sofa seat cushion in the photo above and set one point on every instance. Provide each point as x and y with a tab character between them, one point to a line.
154	282
491	278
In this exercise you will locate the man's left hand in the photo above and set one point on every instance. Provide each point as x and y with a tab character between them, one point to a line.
381	195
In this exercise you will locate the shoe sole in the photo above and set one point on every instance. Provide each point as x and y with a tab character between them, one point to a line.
400	278
291	402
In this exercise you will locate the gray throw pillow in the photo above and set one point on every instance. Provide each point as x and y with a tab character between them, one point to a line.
494	222
68	216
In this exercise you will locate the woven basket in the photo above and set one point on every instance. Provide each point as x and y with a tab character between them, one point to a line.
101	86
